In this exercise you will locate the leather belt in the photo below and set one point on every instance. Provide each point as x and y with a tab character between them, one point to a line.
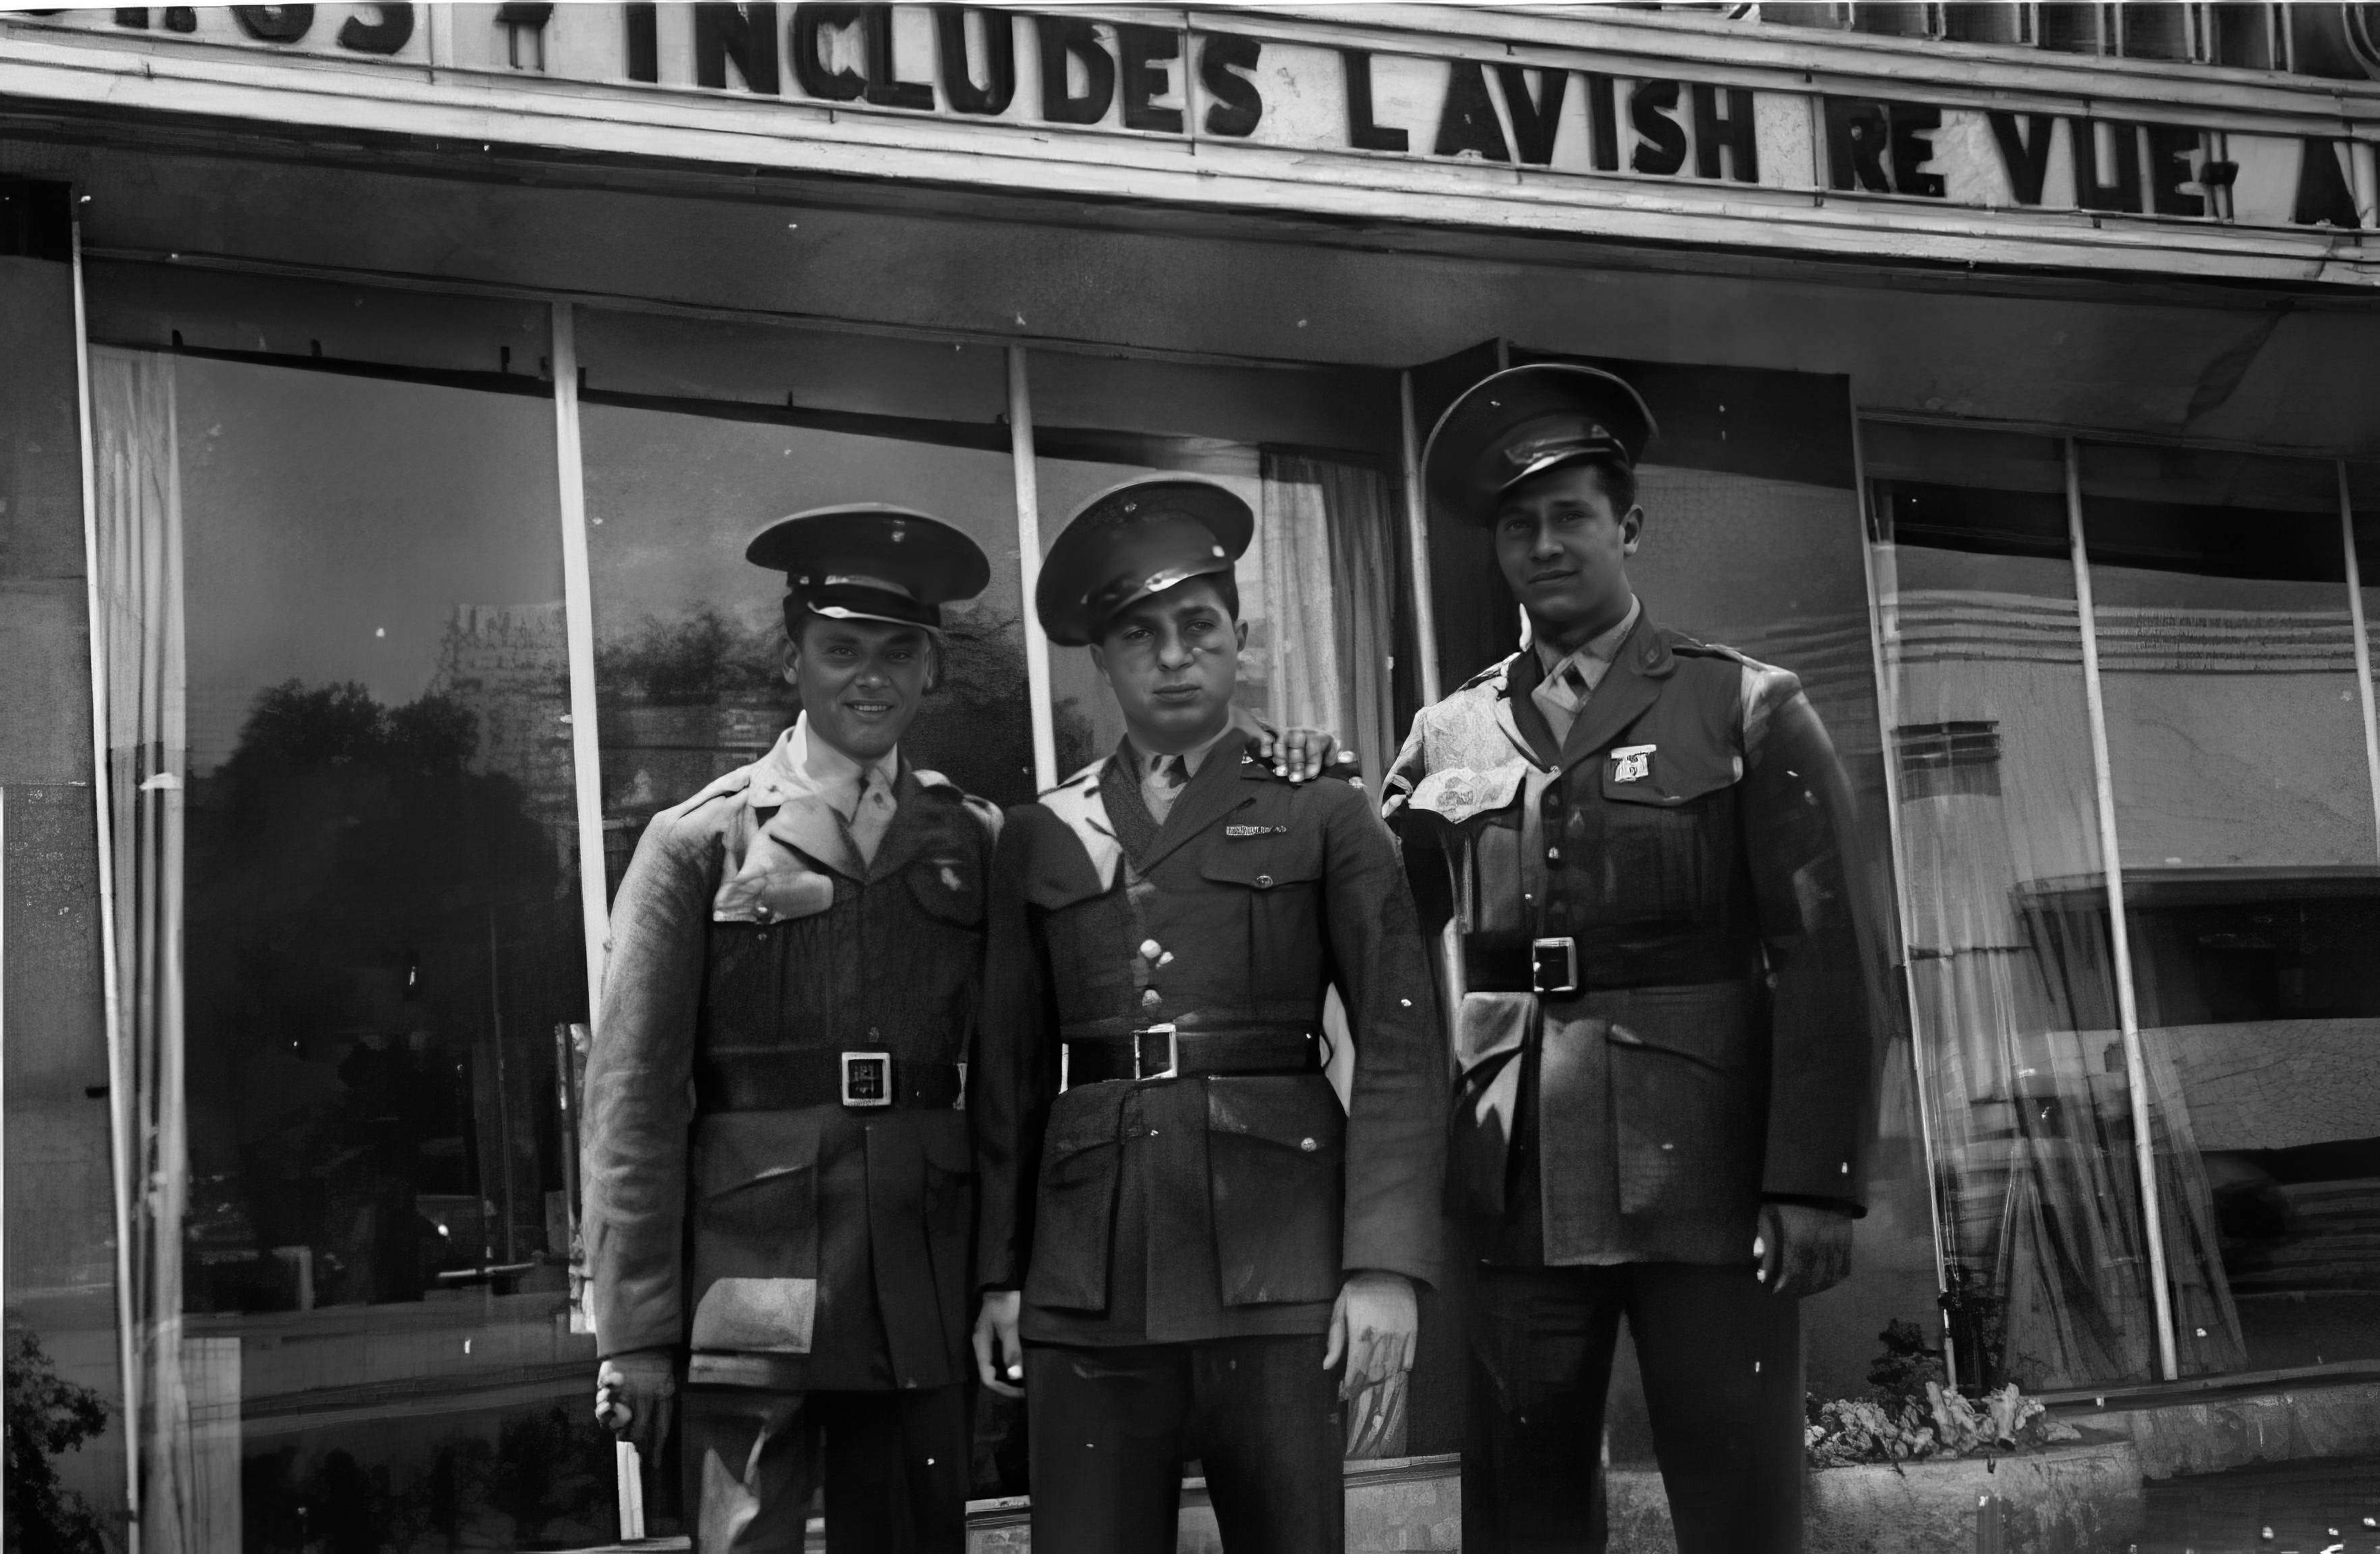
1166	1052
859	1080
1514	963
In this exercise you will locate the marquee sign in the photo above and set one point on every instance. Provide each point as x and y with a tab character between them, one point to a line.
1211	78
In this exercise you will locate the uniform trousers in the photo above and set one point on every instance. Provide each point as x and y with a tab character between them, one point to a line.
1111	1428
895	1468
1721	1359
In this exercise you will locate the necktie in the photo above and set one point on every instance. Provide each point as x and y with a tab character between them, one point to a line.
1166	775
1561	697
872	815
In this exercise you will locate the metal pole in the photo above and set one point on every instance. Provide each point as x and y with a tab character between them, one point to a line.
1883	622
2362	647
1417	548
2127	1009
120	1096
1028	569
578	621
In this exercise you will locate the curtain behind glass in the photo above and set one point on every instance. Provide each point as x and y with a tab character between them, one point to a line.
190	1463
1330	563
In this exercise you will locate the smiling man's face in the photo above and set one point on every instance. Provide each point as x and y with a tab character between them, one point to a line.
860	680
1564	550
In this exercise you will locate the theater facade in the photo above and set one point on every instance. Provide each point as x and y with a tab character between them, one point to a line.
390	390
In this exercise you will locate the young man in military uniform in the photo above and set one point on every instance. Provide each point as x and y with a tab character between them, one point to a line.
779	1201
1196	1250
1664	1103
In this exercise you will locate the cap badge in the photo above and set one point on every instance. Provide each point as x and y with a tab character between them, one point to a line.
1632	763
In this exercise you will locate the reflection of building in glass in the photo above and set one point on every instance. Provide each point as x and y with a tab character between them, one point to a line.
509	666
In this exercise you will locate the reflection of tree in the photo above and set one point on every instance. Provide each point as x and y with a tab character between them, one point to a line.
47	1415
364	911
697	658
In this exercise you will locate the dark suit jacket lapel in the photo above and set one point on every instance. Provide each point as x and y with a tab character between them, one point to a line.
1632	683
1212	793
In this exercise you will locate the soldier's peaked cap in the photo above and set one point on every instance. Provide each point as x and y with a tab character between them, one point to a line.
868	561
1135	540
1526	421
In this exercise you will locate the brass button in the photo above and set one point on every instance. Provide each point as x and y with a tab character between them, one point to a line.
1264	882
1307	1145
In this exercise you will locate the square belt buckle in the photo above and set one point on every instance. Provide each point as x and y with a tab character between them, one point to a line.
1140	1047
1553	965
868	1079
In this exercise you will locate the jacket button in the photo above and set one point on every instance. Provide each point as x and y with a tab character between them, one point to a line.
1264	882
1151	998
1553	855
1307	1145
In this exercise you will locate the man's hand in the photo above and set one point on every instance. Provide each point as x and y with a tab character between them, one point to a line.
1375	1325
1303	753
635	1398
995	1325
1802	1249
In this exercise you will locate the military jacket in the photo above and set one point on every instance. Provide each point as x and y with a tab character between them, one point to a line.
1181	1210
1691	850
736	1207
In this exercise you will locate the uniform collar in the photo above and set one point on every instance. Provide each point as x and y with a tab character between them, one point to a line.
1192	759
1603	645
799	767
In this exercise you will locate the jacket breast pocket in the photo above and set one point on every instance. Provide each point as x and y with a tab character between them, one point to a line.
1276	1170
756	1256
1074	1201
1660	852
741	981
1277	882
1689	1093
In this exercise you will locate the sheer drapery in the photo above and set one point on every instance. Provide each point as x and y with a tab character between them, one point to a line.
187	1411
1329	545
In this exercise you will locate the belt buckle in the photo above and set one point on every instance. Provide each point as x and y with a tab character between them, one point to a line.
1173	1053
867	1079
1553	964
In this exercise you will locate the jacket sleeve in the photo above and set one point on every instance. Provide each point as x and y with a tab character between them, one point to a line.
1014	1080
1813	888
640	1075
1396	1111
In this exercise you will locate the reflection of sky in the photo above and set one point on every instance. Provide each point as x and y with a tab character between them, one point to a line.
671	500
332	524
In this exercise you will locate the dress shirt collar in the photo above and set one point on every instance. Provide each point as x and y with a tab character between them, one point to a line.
1604	646
1147	761
800	767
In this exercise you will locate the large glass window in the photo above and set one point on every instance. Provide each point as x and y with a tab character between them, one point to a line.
2046	1258
2236	739
354	1271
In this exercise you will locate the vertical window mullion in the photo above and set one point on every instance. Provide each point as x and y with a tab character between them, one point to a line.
578	622
2111	863
1028	566
1887	716
2362	645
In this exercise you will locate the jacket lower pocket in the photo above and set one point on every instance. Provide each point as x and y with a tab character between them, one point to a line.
1074	1201
1276	1168
1688	1101
756	1264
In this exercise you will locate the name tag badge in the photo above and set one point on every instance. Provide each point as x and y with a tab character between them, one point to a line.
1632	763
1256	830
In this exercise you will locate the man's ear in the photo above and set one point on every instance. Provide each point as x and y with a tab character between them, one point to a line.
793	661
1240	634
1099	659
1632	530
